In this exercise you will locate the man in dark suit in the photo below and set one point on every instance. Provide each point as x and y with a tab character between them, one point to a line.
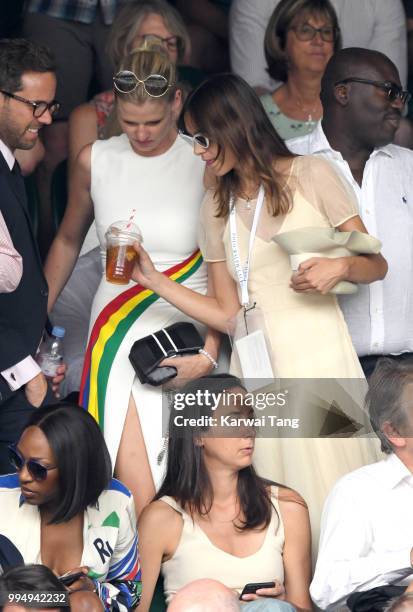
27	89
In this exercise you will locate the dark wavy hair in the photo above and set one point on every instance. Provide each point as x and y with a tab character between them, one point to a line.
227	110
30	579
187	479
19	55
82	458
280	21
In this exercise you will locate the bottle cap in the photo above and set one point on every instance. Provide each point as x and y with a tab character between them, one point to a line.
59	332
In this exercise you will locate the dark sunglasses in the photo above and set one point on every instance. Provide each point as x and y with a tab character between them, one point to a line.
39	108
307	32
37	470
155	85
393	90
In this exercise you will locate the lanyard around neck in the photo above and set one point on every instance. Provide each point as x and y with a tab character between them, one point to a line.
243	271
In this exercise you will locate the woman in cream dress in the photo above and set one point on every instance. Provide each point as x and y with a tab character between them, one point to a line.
308	335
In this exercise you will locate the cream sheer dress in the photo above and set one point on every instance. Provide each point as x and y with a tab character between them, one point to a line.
308	334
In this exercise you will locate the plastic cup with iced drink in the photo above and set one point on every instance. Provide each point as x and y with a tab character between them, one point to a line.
120	254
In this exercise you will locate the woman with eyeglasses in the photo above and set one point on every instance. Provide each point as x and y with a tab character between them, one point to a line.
300	38
261	190
148	173
213	517
62	508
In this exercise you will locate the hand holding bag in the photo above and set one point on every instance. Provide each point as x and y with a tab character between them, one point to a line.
147	353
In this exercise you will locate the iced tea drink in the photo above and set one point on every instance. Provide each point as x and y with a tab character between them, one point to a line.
120	254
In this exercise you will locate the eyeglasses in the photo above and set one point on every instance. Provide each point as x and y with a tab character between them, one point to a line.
199	138
307	32
37	470
155	85
39	108
171	42
393	90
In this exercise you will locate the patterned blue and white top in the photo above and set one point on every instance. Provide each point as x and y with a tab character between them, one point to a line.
110	541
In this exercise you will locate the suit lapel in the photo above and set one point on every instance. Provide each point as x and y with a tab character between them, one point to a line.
16	183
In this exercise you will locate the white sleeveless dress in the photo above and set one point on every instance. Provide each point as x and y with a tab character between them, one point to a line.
166	192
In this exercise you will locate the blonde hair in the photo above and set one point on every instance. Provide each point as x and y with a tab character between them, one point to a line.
149	59
129	19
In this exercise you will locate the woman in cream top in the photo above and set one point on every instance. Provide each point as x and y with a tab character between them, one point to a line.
213	517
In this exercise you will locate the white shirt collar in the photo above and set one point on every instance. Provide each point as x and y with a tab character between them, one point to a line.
7	154
395	471
319	144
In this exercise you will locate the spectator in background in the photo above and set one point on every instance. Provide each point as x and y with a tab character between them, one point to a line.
207	22
374	24
214	517
27	579
359	123
301	37
366	529
63	506
76	31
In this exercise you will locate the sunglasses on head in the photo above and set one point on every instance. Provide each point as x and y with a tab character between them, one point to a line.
200	139
393	90
155	85
37	470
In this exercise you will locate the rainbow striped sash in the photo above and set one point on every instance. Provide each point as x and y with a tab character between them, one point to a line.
110	329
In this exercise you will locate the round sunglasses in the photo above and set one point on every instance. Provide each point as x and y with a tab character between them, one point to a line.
37	470
155	85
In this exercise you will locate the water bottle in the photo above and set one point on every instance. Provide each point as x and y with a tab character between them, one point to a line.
50	355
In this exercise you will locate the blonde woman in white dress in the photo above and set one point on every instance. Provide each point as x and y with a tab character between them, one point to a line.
308	334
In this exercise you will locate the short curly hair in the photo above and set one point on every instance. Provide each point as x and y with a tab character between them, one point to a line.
276	33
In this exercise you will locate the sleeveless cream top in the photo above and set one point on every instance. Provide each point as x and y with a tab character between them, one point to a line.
196	557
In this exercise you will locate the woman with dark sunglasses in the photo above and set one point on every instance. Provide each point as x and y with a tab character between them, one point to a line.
62	508
300	38
149	173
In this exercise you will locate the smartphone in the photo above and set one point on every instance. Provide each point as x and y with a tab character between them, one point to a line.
70	578
252	587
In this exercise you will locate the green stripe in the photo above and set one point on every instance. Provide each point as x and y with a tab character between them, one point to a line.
113	343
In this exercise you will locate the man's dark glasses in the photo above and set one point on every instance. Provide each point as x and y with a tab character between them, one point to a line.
393	90
39	108
37	470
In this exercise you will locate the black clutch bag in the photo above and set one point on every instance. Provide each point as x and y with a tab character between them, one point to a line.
147	353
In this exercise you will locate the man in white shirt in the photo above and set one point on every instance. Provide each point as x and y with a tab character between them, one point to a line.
373	24
359	122
367	529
